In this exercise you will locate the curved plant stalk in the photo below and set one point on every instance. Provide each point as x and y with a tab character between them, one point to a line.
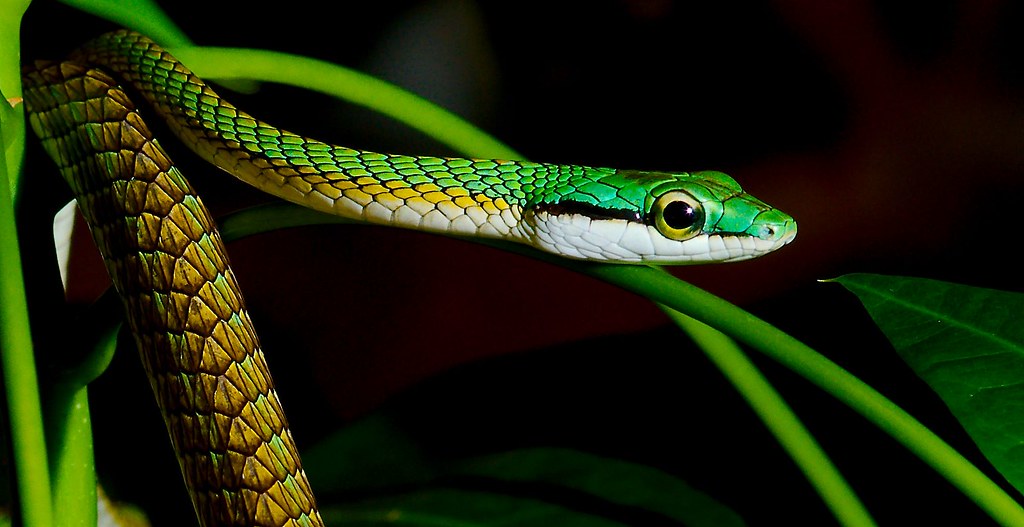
346	84
144	16
779	418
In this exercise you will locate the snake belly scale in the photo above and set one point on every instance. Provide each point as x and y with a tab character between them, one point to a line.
183	303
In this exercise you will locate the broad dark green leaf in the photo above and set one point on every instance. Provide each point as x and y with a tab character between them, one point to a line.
967	343
536	486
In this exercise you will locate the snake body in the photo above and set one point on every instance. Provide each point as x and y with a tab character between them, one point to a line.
183	303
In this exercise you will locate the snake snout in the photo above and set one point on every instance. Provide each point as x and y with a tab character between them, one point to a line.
780	232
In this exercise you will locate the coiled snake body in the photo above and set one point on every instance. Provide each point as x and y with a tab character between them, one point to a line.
183	303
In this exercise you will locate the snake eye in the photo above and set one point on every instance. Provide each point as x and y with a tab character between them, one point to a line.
677	215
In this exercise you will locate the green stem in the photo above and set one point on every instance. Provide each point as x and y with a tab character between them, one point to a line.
779	418
16	356
144	16
71	455
12	119
69	423
19	370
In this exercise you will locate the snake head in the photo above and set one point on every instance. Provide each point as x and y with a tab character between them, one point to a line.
655	217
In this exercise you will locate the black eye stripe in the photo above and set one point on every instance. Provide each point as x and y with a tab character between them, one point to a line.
589	210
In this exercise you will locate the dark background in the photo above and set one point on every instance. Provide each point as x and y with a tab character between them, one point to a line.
891	131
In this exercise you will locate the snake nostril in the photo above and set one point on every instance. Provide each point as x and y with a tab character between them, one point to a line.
767	232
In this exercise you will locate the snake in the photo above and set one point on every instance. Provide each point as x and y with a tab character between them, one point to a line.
182	300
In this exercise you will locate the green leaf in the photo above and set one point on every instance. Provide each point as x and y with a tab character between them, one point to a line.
967	343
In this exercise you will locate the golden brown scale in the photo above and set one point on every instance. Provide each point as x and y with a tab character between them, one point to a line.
183	303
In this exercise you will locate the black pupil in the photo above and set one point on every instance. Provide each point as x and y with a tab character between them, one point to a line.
679	215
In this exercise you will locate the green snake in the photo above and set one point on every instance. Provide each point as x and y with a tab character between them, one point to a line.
183	303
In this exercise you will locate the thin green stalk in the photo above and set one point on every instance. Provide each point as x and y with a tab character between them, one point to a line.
71	455
350	85
779	418
19	370
16	357
144	16
12	140
69	423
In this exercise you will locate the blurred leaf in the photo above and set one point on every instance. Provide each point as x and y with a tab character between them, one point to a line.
538	486
459	508
612	480
967	343
369	454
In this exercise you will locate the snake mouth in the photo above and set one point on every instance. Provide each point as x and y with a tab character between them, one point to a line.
583	237
759	241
